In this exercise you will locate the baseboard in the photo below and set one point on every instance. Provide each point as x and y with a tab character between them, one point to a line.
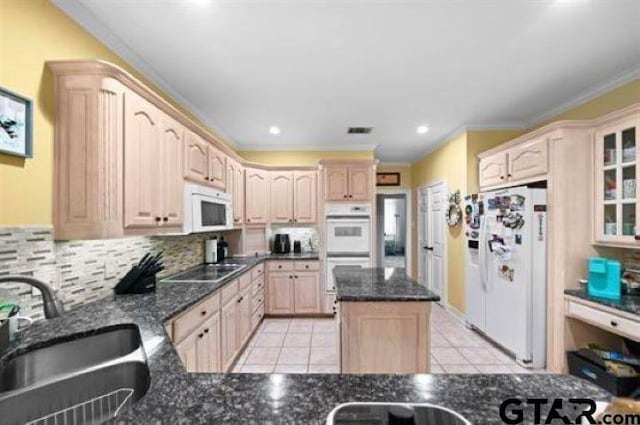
456	314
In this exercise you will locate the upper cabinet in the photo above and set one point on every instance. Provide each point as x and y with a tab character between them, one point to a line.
348	182
204	163
256	206
294	196
616	176
523	162
305	197
235	186
171	166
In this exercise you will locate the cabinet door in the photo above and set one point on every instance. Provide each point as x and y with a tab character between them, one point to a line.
280	293
141	163
238	195
360	183
493	170
244	316
305	197
217	167
229	333
528	160
336	184
256	196
208	345
306	292
617	209
196	158
172	135
188	353
281	197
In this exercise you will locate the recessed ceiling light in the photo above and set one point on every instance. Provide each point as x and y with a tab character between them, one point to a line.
274	129
422	129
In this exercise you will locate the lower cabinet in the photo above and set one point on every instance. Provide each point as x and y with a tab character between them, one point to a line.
200	350
294	292
230	323
244	316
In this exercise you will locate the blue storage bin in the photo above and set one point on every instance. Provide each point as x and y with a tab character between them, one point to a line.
604	278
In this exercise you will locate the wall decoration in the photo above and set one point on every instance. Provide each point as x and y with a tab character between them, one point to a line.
387	179
16	124
454	213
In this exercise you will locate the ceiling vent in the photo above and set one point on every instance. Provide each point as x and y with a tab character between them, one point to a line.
359	130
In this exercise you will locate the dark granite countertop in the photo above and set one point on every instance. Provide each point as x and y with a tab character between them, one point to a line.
292	256
178	397
627	303
378	284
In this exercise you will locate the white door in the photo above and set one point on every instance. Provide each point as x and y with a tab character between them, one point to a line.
432	244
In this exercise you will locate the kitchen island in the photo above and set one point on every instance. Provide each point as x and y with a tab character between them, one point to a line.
383	320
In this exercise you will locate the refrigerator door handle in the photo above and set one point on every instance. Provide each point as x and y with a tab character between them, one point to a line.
483	253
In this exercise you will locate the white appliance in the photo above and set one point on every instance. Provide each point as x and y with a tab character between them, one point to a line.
506	270
211	251
206	209
348	238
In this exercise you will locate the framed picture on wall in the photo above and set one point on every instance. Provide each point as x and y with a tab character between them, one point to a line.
387	179
16	124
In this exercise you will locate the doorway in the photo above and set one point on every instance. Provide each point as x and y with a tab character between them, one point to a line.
432	237
392	212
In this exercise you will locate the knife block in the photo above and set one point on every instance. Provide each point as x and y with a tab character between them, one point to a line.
136	282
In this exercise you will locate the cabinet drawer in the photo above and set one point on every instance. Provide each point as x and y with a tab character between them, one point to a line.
307	265
605	320
229	291
257	316
190	320
275	266
258	286
257	271
245	281
257	300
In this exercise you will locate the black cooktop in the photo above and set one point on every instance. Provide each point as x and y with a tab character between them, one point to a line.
206	273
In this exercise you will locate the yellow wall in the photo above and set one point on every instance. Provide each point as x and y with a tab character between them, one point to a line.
405	175
445	164
32	32
301	158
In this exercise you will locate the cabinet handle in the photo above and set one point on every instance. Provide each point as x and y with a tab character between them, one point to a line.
345	196
614	323
165	219
290	277
350	196
306	267
206	178
158	218
203	313
260	300
295	277
248	220
509	175
240	299
636	237
501	177
206	331
279	267
200	335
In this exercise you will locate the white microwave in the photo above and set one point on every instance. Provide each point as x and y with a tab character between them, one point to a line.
206	209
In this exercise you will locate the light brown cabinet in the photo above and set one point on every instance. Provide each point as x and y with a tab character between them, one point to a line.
493	170
256	196
244	316
348	183
294	197
524	162
235	186
282	197
200	350
204	164
293	291
229	335
306	293
171	182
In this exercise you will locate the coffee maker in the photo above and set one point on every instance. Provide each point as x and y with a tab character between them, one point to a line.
282	244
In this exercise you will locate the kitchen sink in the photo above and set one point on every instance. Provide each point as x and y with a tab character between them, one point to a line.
394	413
86	380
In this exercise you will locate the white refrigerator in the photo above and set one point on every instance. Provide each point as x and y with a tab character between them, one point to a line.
506	281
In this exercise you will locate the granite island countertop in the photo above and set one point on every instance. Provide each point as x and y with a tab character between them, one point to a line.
178	397
354	283
627	303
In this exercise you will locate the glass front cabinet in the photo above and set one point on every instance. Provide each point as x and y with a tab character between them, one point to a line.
617	196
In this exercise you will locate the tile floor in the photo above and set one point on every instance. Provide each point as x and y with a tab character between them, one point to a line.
310	346
291	346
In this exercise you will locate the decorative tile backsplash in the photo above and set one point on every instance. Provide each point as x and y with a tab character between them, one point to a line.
302	234
86	270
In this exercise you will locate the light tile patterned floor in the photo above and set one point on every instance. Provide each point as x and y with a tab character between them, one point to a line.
291	346
310	346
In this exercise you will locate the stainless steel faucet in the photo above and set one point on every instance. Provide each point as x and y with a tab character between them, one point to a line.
51	304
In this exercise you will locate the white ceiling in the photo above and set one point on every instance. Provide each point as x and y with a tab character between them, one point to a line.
314	68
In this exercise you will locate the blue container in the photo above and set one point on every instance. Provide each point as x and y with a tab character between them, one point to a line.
604	278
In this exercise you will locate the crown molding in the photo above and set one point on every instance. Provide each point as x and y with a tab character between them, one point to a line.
590	94
87	20
307	148
394	164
